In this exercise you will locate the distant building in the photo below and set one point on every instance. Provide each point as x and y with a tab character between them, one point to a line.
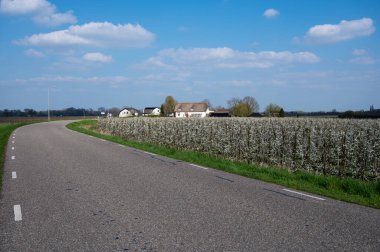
191	109
220	113
129	112
255	114
152	111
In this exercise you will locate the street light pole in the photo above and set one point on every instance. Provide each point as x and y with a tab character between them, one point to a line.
49	104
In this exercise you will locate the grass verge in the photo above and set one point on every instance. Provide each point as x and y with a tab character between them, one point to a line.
365	193
6	130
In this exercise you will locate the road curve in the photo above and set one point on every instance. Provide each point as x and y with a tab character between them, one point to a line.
65	191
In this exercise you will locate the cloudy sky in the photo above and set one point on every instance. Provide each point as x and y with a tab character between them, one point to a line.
302	55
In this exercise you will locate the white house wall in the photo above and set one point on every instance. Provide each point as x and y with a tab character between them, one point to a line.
156	111
125	113
191	114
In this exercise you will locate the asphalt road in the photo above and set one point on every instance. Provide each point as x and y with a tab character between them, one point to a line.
73	192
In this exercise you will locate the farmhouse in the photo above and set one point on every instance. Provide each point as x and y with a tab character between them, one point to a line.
152	111
191	109
128	112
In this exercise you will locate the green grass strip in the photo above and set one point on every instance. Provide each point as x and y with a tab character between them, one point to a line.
6	130
365	193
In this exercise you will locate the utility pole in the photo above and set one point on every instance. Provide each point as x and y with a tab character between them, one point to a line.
49	104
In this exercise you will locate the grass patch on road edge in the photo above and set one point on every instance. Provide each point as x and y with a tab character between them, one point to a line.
6	130
365	193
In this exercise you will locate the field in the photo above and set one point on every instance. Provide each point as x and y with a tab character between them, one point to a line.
347	148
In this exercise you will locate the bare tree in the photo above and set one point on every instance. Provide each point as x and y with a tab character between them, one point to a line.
252	104
114	111
243	107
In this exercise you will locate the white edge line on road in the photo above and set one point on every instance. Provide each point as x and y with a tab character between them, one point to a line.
149	153
303	194
17	211
14	137
13	142
13	148
103	140
14	175
198	166
13	157
121	145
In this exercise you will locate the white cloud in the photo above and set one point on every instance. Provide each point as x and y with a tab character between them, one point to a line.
97	57
197	54
363	60
362	57
34	53
74	79
43	12
93	34
359	52
345	30
55	19
271	13
17	7
64	80
225	57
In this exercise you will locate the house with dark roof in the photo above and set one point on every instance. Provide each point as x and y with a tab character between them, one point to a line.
152	111
191	109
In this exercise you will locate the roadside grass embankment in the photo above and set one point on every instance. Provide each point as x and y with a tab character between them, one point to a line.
357	191
6	130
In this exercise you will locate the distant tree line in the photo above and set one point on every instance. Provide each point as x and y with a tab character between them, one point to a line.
372	114
63	112
245	107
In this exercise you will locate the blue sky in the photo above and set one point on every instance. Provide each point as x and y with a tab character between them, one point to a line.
301	55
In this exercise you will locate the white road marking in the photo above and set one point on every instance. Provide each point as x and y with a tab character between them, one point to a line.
150	153
103	140
121	145
13	157
199	166
13	142
14	175
13	148
17	211
14	137
303	194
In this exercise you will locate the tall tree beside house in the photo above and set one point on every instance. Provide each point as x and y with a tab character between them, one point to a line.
162	110
273	110
243	107
169	105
